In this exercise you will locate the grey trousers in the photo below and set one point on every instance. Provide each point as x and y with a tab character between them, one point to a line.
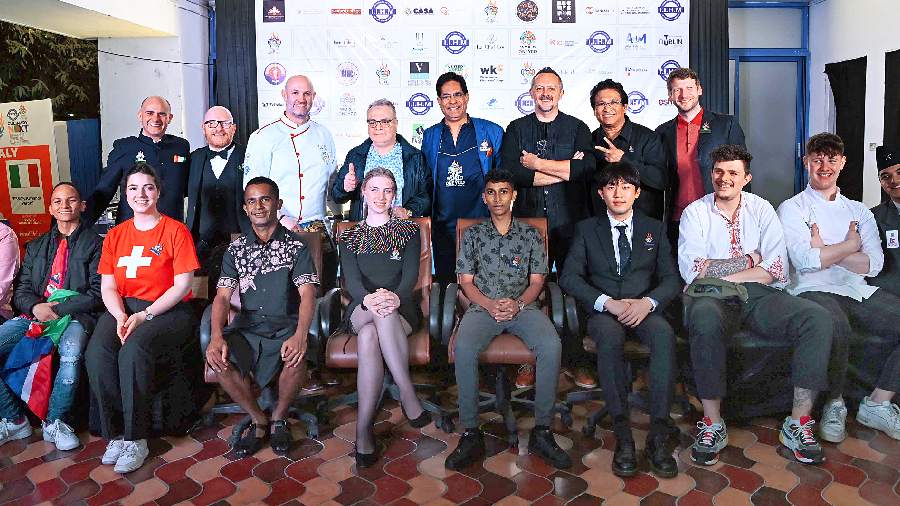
477	329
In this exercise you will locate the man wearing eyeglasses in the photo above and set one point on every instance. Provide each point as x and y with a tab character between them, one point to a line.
167	153
460	150
215	191
385	148
619	139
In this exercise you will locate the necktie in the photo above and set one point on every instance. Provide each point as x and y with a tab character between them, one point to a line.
624	250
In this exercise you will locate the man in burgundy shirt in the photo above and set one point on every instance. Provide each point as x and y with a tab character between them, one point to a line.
689	138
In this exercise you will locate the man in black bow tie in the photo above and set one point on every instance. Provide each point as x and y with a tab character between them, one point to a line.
215	190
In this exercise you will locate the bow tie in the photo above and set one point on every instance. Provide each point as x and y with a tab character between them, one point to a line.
223	153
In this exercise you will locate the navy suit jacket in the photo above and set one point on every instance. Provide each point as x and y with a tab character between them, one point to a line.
591	270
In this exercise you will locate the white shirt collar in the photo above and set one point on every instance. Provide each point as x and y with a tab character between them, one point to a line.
614	222
816	195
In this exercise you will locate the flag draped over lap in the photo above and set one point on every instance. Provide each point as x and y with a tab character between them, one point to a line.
29	367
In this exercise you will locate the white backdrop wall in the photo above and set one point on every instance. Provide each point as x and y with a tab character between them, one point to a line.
358	51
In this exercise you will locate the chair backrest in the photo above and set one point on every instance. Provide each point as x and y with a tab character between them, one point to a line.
463	224
423	283
313	241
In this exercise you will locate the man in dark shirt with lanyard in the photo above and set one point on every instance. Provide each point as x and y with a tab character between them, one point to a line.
168	154
460	150
550	156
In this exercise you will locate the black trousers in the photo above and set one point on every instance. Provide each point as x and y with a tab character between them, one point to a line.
878	315
769	312
123	378
654	332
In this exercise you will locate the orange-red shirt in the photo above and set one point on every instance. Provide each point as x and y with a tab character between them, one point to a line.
145	263
690	181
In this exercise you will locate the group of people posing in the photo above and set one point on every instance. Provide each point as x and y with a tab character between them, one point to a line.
635	217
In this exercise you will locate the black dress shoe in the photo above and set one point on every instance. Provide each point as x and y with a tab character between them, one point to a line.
662	463
365	459
419	421
281	438
251	442
624	463
543	445
469	450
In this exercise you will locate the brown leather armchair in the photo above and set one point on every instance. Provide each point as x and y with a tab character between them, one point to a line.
305	407
341	345
505	349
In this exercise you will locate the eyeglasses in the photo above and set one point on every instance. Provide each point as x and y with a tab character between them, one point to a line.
215	123
614	104
383	122
447	96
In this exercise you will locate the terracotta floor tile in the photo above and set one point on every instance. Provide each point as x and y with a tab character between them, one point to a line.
640	485
404	467
104	474
272	470
766	454
319	490
770	497
355	489
439	502
778	479
659	499
494	487
735	456
397	447
346	431
806	495
837	493
284	490
878	493
844	473
876	471
252	490
47	490
179	491
424	489
813	476
389	488
740	438
207	469
78	471
93	449
13	448
708	481
742	479
15	489
765	435
304	448
599	458
434	467
622	499
586	500
111	491
503	464
334	448
695	498
145	472
884	444
181	447
32	451
337	470
535	465
239	470
16	471
210	449
567	486
47	470
860	449
214	490
304	470
145	491
174	470
677	486
531	487
732	497
512	500
427	447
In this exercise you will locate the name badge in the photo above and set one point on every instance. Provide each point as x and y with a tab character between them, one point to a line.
890	237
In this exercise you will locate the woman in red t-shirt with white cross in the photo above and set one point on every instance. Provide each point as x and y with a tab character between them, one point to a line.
147	267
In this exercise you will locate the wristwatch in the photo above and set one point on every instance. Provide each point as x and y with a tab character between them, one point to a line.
149	315
521	304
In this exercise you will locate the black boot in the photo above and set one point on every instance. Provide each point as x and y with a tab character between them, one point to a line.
662	463
624	461
469	450
542	444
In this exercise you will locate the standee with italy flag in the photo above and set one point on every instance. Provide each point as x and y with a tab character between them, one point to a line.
27	166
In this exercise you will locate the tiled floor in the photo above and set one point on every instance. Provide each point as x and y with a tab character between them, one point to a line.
199	469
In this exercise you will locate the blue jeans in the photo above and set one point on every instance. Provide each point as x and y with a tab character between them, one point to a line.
71	354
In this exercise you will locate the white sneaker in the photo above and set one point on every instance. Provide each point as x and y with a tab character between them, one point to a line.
833	427
10	431
884	416
61	435
113	450
133	456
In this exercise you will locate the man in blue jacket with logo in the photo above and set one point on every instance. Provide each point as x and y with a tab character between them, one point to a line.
459	150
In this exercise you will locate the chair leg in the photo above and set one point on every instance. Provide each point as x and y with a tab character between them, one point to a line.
593	420
503	405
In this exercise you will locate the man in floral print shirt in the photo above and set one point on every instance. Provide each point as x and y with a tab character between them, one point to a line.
501	267
731	241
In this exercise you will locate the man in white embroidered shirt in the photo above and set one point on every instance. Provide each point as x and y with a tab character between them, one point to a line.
731	252
834	245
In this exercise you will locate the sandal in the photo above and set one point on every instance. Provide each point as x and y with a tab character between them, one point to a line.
281	438
251	443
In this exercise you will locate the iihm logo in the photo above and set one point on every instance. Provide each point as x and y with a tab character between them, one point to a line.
666	68
670	10
419	104
455	42
599	41
525	104
382	11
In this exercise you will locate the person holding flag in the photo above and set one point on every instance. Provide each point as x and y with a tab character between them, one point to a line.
57	293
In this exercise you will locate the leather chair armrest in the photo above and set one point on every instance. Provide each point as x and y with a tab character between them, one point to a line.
557	307
573	324
434	312
205	329
329	309
448	312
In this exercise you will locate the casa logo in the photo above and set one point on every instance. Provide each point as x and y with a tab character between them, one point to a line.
347	73
491	74
490	12
527	11
637	102
455	42
670	10
347	106
525	104
274	43
383	73
458	68
563	11
671	40
419	104
527	72
592	10
351	12
419	73
382	11
490	42
634	71
634	10
666	68
317	105
275	73
599	42
419	11
527	44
